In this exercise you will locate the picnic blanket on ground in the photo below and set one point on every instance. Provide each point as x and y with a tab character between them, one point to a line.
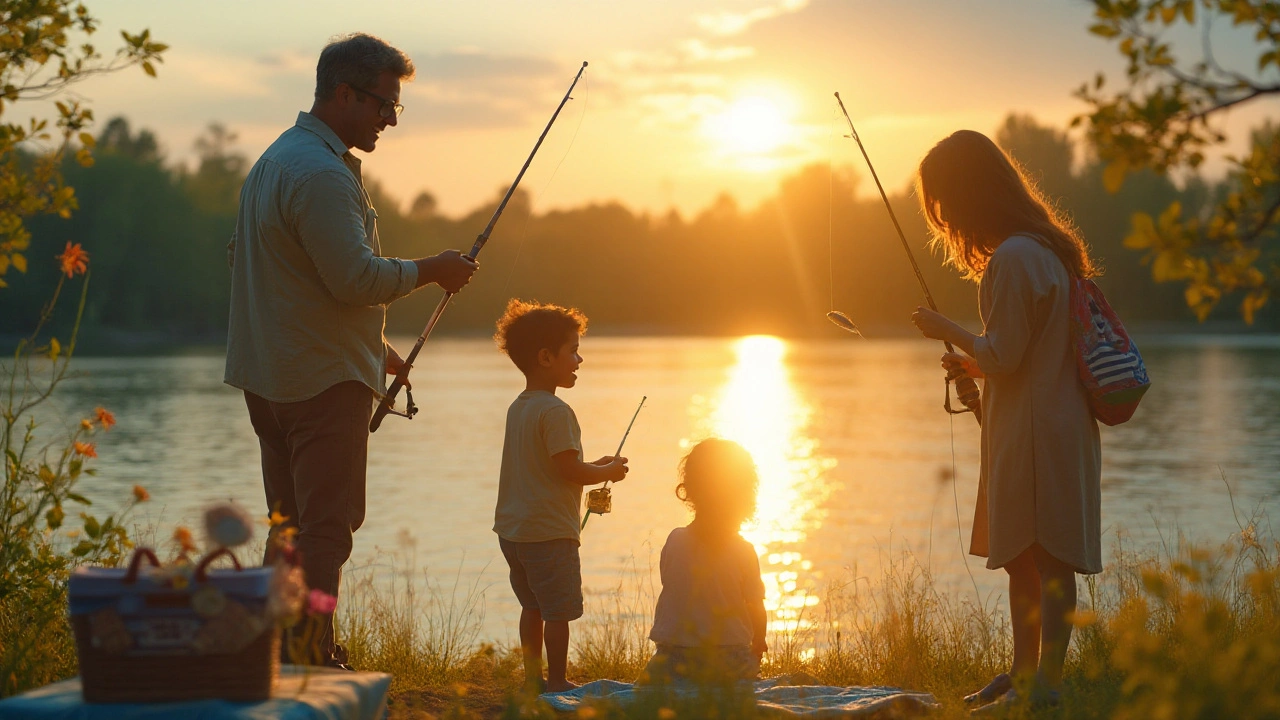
774	697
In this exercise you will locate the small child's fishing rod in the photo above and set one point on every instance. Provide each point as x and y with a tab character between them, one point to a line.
966	388
387	404
598	500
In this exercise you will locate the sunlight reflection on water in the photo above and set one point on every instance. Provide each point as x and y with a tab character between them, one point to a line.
759	409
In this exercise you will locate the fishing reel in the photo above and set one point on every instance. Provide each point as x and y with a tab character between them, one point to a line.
410	409
599	501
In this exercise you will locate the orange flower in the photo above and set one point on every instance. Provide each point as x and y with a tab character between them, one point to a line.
74	259
276	518
140	493
185	539
86	424
105	417
86	449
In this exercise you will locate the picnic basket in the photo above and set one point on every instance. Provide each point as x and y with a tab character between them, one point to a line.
148	634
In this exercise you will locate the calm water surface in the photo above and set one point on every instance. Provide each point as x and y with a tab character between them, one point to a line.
854	450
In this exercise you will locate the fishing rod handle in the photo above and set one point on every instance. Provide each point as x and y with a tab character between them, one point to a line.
384	405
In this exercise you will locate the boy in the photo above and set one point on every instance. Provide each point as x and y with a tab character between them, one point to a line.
540	485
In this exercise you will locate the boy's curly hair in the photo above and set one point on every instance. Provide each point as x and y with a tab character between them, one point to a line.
528	327
718	477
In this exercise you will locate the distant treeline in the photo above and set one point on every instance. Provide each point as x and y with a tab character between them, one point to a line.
157	238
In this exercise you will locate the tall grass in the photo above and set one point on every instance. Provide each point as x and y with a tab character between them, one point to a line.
1179	631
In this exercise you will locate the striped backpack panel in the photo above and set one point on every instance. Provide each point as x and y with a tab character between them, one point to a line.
1108	361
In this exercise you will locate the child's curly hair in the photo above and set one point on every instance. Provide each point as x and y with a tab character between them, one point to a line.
528	327
718	480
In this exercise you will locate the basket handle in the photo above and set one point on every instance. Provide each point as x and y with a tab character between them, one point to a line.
134	565
203	568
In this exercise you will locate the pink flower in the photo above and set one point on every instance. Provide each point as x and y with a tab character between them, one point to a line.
320	602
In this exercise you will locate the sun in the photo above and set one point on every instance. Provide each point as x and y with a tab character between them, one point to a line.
751	125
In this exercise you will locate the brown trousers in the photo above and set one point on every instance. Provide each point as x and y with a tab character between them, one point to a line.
314	456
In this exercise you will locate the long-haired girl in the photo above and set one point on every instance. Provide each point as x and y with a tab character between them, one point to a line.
1037	513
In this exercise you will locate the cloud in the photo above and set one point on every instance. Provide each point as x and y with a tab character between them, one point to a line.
732	23
474	89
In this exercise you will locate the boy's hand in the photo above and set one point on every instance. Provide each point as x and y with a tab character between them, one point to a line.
615	467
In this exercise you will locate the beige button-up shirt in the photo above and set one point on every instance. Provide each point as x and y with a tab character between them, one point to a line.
308	283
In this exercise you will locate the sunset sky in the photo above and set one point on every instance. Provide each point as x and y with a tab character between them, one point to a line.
683	100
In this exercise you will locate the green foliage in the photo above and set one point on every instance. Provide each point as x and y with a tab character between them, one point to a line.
1163	119
40	476
38	60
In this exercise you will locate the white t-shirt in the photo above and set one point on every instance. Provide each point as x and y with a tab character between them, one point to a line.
707	588
535	503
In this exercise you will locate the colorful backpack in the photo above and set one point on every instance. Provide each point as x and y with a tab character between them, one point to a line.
1110	367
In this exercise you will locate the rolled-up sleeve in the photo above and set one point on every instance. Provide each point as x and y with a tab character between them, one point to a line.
1007	329
330	220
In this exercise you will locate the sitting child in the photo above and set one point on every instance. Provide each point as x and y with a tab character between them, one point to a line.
709	624
540	484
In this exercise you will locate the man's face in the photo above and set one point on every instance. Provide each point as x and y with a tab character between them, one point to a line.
565	363
364	113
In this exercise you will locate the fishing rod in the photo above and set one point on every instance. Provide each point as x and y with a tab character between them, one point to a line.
966	388
598	500
386	405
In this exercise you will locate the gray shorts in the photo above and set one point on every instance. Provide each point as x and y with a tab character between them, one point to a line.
547	577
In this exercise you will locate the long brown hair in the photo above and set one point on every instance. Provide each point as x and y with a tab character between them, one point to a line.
974	196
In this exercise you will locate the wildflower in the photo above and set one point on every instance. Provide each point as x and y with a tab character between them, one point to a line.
140	494
228	525
86	449
86	424
105	417
666	713
74	259
185	540
586	712
276	518
320	602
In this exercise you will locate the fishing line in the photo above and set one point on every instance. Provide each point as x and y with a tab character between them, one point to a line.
524	231
831	207
955	496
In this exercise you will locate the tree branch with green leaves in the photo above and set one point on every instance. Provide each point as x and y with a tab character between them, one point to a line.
1167	116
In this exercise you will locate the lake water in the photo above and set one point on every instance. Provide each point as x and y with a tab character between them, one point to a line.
854	450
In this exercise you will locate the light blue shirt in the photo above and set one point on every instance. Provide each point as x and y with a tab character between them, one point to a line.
309	284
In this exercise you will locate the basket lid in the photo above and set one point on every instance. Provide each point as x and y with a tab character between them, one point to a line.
91	582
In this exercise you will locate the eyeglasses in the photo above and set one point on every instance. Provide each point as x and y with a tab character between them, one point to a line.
388	108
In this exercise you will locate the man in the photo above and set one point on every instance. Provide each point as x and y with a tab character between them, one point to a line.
308	294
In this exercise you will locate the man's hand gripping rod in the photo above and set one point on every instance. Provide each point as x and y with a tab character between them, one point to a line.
966	388
387	404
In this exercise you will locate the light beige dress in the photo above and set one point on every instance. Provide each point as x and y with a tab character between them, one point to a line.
1041	455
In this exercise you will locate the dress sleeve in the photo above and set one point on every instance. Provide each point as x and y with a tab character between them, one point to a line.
1008	327
329	214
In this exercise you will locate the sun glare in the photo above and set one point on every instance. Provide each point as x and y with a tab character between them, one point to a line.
753	125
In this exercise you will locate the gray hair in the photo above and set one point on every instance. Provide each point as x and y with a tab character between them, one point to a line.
358	60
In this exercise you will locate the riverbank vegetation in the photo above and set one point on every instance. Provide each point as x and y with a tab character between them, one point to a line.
1179	631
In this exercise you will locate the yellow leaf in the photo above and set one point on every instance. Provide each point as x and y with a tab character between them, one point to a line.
19	262
1113	176
1189	12
1168	266
1168	14
55	348
4	264
1143	234
1170	216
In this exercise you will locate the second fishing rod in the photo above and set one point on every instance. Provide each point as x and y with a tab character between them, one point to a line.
387	404
966	388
